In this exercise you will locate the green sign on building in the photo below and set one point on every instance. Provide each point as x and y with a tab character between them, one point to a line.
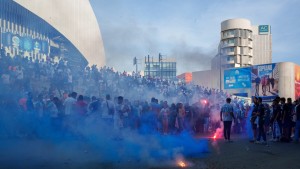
264	29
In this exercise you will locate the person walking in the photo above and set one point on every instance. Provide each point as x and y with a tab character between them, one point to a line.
254	118
227	116
275	119
261	121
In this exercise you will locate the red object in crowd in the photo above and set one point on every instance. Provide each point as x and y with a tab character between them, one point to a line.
22	103
81	107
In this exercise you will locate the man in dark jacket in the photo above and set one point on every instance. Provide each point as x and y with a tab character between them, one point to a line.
261	121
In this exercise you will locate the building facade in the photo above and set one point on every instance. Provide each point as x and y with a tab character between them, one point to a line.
265	80
160	68
51	30
185	77
243	45
262	44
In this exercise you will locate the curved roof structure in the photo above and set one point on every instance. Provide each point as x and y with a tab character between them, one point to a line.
75	19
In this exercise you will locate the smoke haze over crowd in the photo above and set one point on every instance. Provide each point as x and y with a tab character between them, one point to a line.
137	28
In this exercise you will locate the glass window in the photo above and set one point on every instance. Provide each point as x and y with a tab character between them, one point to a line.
230	41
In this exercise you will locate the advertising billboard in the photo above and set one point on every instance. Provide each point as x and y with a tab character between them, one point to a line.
265	79
297	82
237	78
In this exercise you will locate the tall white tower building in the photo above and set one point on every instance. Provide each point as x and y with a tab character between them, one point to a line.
243	45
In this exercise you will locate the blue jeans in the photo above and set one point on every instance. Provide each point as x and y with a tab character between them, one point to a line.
296	138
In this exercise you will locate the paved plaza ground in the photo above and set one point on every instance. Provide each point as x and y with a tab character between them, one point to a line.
239	154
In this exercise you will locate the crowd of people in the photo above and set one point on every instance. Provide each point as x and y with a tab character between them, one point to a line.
36	90
281	120
43	89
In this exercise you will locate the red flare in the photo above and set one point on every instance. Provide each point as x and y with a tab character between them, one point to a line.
181	164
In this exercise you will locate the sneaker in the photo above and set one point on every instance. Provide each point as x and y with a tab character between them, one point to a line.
257	142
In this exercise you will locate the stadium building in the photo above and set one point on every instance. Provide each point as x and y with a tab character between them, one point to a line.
51	30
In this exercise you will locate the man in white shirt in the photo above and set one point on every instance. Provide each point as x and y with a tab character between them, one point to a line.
108	108
227	117
69	103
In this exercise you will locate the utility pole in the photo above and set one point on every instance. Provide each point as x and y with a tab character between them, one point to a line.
136	64
148	66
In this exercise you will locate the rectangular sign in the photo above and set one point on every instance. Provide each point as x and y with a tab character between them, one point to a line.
265	79
297	82
264	29
237	78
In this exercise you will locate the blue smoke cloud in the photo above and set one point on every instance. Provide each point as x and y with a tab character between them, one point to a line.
89	137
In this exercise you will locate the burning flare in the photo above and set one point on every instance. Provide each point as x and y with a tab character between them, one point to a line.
181	164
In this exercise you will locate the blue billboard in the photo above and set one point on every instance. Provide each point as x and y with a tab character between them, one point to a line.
265	80
237	78
25	43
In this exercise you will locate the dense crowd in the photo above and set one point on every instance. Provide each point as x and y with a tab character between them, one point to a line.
281	120
43	88
41	91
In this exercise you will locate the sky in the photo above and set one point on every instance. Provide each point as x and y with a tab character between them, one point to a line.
189	30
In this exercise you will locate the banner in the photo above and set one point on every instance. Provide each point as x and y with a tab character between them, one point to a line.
239	78
297	82
25	43
16	41
37	46
45	47
7	39
265	80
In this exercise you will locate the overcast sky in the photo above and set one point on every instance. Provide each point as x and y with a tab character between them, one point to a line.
189	30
